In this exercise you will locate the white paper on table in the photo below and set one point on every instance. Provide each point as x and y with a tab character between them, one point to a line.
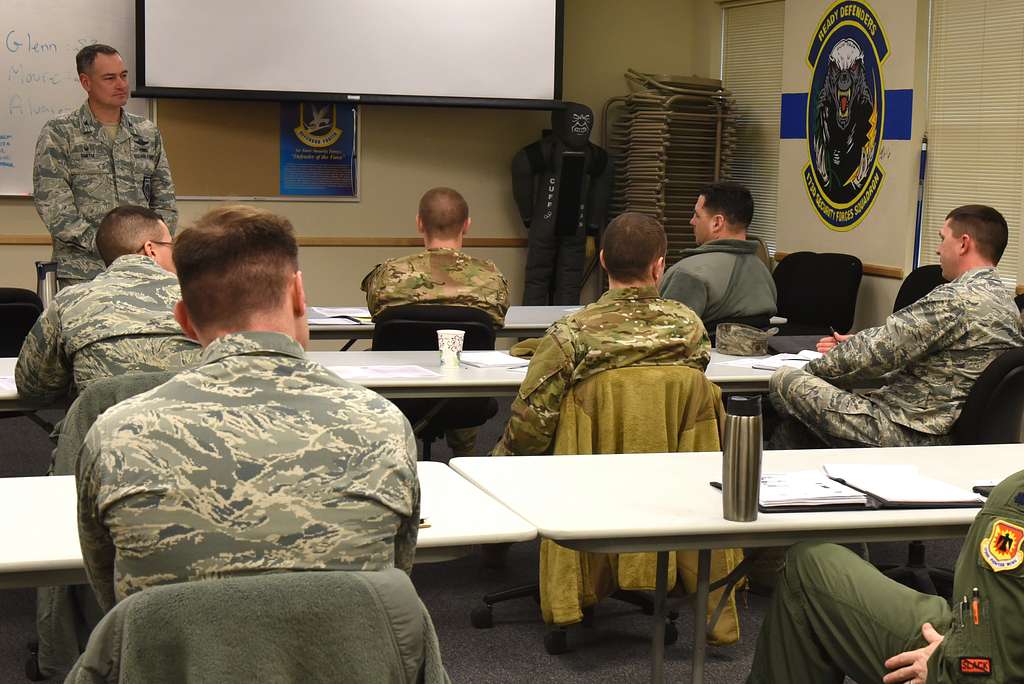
7	386
775	362
340	320
806	488
382	372
898	483
492	359
357	314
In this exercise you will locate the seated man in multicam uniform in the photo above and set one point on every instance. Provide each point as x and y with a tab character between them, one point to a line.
120	322
257	460
441	274
629	325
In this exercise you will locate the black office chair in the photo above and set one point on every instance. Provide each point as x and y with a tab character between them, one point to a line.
414	327
19	310
992	414
817	292
1019	301
917	284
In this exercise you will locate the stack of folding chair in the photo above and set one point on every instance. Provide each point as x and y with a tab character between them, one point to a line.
669	137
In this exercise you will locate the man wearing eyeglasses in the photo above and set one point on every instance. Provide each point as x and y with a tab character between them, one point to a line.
120	322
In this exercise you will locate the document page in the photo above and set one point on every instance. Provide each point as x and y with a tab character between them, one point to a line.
8	389
806	488
775	362
899	484
492	359
358	373
326	315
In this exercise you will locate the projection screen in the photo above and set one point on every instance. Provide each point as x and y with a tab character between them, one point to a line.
504	53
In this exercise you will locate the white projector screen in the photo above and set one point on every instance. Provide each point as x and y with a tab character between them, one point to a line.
478	52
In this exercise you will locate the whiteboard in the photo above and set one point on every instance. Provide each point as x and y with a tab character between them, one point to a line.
479	49
38	79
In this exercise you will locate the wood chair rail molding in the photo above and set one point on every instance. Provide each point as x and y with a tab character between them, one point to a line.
320	241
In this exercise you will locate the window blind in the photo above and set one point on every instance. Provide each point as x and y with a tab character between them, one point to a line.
752	72
975	122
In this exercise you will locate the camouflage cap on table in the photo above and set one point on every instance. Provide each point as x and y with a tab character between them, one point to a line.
741	340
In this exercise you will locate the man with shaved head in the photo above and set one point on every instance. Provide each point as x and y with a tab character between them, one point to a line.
441	274
120	322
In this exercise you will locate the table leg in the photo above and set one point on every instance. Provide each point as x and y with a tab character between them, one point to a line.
348	345
700	610
658	644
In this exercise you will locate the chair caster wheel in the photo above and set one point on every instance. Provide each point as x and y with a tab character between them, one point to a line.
556	641
671	633
32	669
482	617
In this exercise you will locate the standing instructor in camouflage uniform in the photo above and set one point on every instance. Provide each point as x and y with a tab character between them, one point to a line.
930	353
94	159
630	325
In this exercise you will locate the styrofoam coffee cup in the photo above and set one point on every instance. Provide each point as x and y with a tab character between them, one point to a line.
449	344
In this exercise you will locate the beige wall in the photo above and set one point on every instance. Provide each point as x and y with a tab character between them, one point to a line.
405	150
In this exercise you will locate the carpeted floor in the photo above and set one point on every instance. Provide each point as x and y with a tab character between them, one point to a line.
615	649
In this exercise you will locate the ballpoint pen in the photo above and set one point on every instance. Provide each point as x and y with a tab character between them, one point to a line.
975	605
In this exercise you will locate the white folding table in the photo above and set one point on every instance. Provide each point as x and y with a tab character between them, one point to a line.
39	525
663	502
520	321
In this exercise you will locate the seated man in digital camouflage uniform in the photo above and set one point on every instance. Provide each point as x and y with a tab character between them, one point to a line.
441	274
257	460
929	354
120	322
630	325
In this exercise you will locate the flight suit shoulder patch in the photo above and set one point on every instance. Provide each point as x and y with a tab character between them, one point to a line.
1001	550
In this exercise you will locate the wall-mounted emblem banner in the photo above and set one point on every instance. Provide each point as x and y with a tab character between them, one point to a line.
318	149
845	114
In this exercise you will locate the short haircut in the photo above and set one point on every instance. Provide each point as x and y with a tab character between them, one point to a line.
985	225
125	229
87	55
731	200
234	262
443	212
631	243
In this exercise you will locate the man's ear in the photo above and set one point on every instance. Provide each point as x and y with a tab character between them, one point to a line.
466	225
419	225
298	296
600	256
658	269
181	315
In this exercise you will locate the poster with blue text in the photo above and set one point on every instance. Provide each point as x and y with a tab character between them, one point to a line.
318	149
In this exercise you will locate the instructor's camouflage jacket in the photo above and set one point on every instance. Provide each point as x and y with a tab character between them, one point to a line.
79	175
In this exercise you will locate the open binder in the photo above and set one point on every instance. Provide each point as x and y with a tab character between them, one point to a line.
844	487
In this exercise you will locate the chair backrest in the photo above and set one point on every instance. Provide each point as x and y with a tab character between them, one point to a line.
19	310
994	410
920	282
275	627
641	409
1019	301
414	327
818	289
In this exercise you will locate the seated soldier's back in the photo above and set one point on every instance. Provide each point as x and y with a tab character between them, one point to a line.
123	321
438	276
256	461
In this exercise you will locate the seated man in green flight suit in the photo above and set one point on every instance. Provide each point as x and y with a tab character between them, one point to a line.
835	615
